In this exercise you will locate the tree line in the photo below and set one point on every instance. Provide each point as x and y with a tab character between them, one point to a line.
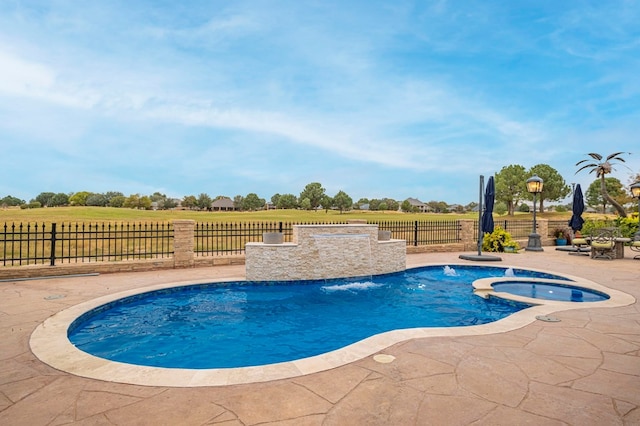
605	191
510	185
312	197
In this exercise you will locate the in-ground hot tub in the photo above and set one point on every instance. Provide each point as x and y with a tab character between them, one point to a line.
548	291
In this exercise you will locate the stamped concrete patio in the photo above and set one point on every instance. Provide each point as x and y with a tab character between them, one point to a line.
583	370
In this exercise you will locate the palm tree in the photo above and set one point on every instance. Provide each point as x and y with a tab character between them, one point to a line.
603	168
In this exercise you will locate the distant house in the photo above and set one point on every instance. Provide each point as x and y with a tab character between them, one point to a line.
223	204
456	208
419	205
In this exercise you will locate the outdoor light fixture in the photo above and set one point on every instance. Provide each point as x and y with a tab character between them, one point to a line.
635	190
534	186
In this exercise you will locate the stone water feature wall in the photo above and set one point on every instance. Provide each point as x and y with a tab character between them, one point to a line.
325	251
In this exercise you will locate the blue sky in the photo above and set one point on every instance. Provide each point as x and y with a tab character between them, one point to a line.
376	98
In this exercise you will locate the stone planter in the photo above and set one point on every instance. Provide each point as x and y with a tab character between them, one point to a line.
272	237
384	235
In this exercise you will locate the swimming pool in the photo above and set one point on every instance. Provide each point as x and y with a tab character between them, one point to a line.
239	324
50	342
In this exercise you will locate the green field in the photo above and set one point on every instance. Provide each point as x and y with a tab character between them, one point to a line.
110	214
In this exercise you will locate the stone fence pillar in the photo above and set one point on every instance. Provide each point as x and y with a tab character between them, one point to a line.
183	243
468	235
543	231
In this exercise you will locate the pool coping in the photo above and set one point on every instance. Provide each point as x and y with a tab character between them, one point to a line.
50	344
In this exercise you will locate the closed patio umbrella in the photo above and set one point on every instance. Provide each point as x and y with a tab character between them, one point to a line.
489	197
576	220
485	219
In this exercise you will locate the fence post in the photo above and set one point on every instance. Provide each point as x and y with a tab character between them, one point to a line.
415	234
183	243
469	237
543	231
53	245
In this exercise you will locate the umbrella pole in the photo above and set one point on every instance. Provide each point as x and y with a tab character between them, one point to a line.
479	256
480	234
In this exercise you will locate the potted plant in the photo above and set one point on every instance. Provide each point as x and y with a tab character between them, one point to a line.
511	247
499	241
563	236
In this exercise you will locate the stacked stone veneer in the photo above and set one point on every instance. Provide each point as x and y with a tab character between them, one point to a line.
325	251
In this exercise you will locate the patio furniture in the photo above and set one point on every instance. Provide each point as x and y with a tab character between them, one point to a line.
603	245
580	246
635	245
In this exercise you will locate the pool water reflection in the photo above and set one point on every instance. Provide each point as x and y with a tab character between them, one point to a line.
235	324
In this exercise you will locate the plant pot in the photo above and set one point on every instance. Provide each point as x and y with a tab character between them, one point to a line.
272	237
509	249
561	241
384	235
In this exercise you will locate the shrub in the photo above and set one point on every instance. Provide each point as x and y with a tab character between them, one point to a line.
500	208
627	226
33	204
498	240
591	225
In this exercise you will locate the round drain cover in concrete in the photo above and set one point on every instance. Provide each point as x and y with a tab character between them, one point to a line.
547	318
384	358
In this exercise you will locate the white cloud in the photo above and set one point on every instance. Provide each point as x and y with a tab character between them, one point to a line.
396	94
21	77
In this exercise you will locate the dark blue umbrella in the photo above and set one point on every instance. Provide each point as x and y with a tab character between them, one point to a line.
487	215
576	220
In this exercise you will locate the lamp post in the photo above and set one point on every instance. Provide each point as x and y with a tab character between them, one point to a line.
635	190
534	186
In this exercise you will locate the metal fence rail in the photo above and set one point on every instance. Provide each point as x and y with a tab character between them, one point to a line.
27	244
419	233
83	242
230	238
517	228
556	224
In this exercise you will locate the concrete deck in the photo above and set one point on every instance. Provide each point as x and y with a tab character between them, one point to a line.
583	370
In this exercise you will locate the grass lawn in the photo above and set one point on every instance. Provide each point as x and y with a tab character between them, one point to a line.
110	214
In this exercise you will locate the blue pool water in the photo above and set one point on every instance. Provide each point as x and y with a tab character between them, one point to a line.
239	324
562	293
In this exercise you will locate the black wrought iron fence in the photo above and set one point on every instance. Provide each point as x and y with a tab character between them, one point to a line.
556	224
517	228
418	233
26	244
230	238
